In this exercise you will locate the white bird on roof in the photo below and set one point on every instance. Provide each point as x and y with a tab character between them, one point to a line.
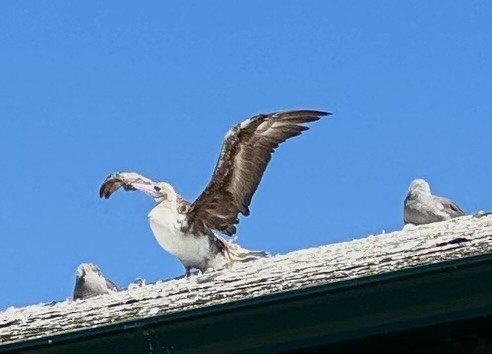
187	230
421	207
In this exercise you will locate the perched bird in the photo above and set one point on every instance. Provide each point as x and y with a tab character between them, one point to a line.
187	230
421	207
90	282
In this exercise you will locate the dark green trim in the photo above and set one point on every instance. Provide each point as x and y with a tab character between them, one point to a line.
341	311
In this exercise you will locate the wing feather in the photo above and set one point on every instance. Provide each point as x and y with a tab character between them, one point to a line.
245	154
450	207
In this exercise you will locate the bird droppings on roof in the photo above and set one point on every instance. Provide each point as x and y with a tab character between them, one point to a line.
372	255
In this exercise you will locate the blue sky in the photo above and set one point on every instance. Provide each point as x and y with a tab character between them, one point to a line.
90	88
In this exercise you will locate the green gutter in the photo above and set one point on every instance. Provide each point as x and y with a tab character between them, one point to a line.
388	303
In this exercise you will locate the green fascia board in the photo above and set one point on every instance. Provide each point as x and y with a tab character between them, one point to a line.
341	311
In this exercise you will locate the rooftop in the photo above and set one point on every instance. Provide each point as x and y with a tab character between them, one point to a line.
278	279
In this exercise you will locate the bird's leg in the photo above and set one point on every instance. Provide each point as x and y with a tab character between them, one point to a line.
205	266
188	271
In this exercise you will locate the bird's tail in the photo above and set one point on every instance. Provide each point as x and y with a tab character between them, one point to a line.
239	254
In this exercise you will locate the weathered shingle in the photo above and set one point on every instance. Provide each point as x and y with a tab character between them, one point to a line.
426	244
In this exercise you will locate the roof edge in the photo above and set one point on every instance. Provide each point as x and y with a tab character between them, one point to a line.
393	301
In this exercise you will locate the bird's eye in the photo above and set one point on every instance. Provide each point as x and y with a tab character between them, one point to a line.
157	188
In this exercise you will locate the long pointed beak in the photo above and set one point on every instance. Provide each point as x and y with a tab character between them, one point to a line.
152	190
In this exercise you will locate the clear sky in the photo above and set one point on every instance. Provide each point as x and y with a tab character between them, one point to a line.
94	87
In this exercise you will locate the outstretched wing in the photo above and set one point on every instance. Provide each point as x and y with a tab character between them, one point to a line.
245	154
121	179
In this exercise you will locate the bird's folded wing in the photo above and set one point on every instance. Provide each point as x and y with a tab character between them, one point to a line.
450	207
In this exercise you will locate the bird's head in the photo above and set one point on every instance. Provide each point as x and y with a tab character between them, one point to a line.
419	186
86	268
160	191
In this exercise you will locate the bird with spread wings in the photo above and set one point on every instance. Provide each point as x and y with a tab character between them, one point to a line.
188	230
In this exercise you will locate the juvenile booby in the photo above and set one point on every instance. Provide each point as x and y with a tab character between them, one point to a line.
90	282
421	207
186	229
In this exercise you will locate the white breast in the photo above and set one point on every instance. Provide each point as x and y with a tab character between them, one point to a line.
190	250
